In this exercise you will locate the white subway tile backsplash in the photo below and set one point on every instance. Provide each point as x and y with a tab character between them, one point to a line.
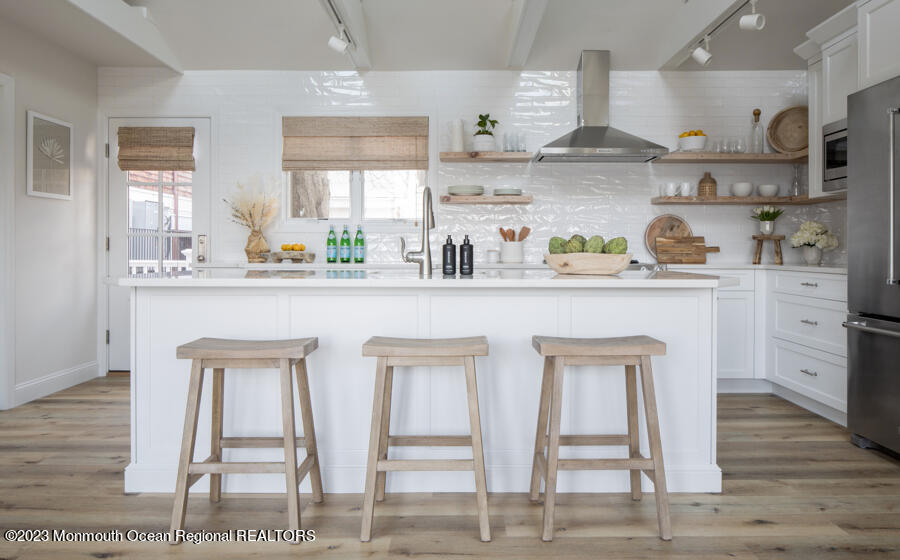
609	199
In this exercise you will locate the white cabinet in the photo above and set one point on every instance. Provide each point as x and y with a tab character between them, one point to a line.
814	79
878	32
839	77
736	324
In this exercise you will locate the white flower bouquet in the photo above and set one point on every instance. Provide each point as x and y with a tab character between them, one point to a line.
814	234
766	213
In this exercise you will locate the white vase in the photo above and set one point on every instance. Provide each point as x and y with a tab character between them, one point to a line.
484	143
767	227
812	255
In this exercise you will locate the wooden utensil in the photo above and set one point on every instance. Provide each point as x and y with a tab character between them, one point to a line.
682	250
788	131
523	233
667	225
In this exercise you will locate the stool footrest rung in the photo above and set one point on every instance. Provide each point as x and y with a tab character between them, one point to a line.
429	441
219	467
636	463
193	478
258	442
613	439
305	467
425	465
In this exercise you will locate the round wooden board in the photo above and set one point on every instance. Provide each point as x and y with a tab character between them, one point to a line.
788	131
667	225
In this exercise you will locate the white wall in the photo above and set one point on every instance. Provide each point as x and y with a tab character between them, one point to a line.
55	240
610	199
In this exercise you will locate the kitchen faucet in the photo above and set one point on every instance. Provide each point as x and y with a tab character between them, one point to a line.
423	255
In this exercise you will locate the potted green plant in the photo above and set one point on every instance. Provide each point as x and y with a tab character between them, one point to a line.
814	237
766	215
484	134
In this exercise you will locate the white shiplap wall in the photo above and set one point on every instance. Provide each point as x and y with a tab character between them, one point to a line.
609	199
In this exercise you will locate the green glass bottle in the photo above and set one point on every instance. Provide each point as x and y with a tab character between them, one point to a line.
359	246
345	245
331	246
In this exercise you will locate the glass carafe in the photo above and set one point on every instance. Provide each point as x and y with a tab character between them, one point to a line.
755	144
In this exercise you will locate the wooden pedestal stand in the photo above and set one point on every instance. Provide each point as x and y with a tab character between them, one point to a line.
776	239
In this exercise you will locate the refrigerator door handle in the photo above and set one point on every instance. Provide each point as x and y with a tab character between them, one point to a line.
861	326
892	277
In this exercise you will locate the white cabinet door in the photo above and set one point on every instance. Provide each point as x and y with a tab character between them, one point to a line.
878	31
736	331
814	77
839	73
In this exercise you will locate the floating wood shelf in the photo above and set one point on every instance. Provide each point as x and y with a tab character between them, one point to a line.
486	157
715	157
748	200
483	199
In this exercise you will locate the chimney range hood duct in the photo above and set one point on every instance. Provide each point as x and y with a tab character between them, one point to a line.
594	141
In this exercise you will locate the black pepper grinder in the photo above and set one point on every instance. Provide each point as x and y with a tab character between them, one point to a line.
449	257
466	252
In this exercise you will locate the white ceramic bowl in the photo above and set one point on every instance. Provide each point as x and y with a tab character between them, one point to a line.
767	190
692	143
742	189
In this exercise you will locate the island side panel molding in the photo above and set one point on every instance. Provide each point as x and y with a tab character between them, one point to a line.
341	379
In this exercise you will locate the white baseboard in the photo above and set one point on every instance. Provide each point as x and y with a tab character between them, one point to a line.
824	410
507	478
53	382
743	386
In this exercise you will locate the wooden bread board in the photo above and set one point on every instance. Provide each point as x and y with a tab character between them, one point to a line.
682	250
293	256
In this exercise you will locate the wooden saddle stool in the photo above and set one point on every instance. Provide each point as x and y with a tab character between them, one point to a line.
629	351
393	352
219	354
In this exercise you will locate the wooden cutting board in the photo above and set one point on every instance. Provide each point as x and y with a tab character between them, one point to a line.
682	250
667	225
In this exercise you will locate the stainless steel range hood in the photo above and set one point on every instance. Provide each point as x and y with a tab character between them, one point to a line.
594	140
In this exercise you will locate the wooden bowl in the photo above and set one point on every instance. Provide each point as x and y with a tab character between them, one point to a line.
293	256
788	131
588	263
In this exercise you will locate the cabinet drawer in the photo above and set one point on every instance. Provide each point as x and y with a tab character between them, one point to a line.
827	286
744	277
811	322
817	375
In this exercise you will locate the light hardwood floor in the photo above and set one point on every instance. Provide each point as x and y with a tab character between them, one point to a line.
794	489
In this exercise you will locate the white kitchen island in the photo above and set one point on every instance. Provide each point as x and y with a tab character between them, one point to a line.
343	309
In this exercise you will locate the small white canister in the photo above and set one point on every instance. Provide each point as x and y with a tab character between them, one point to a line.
512	252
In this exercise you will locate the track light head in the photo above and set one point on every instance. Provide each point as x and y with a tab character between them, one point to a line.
337	44
752	21
701	54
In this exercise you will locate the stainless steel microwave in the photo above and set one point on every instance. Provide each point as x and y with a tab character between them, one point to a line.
834	156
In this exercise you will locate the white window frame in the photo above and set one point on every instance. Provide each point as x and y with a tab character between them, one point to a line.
289	224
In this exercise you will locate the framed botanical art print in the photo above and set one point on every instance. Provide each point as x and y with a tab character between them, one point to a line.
49	157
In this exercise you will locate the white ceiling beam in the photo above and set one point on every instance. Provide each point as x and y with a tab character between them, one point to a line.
691	23
354	17
132	24
524	23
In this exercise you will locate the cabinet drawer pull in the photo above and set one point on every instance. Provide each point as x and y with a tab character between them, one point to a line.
810	284
808	322
810	373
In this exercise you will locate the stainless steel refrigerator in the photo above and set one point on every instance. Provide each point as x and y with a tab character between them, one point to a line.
873	247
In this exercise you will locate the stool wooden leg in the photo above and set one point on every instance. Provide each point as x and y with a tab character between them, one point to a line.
290	445
634	446
368	511
540	438
381	479
778	257
553	448
215	438
309	429
659	472
477	450
757	255
188	438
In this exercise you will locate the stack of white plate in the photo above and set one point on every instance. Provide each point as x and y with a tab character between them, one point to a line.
507	191
465	190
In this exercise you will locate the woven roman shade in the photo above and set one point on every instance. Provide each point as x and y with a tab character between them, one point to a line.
156	148
354	143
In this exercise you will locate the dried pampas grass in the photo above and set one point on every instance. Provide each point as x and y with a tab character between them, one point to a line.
254	204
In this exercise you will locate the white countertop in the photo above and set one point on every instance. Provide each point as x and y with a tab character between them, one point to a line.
392	278
746	266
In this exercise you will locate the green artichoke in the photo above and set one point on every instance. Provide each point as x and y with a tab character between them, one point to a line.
594	244
557	245
574	246
580	238
616	246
